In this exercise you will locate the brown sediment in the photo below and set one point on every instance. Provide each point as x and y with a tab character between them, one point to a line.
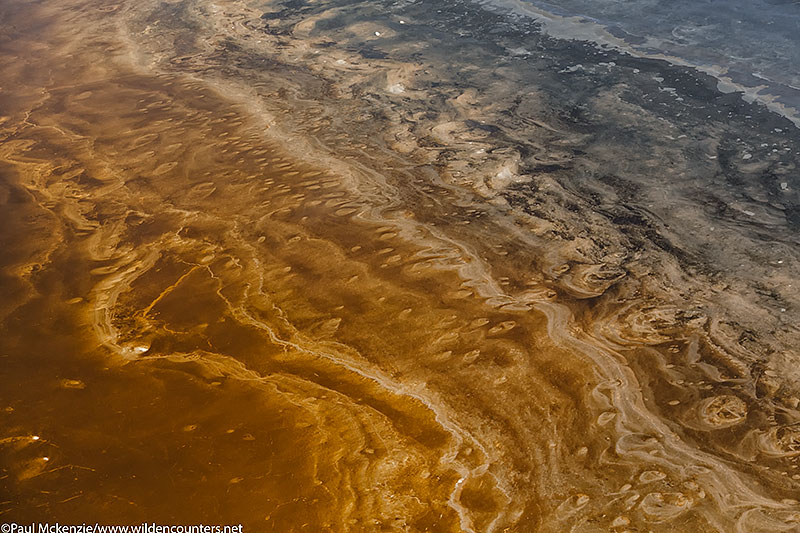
225	302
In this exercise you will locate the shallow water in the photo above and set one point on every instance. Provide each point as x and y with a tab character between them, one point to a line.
749	45
342	266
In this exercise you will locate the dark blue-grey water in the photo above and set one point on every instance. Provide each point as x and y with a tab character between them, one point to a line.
755	45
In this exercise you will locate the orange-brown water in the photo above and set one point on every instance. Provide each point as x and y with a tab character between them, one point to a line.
225	303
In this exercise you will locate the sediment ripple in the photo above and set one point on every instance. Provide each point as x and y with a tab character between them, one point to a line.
352	267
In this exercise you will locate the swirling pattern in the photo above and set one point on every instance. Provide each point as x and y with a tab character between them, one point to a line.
348	266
